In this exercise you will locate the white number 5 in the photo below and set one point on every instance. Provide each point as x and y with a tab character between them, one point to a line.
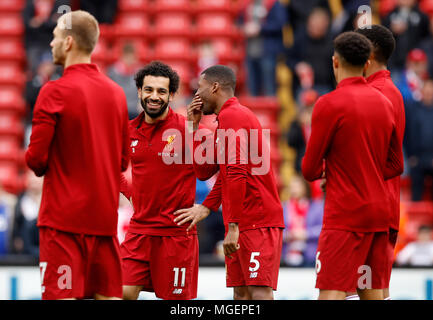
255	261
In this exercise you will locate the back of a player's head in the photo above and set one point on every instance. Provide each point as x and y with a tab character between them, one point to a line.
158	69
224	75
82	27
353	49
382	40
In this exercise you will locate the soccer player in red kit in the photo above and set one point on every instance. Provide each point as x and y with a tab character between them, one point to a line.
379	77
252	212
158	255
80	144
354	131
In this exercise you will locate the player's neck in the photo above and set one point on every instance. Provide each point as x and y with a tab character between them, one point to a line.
221	101
375	67
348	73
76	59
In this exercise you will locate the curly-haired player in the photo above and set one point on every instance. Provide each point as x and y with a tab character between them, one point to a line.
354	133
157	254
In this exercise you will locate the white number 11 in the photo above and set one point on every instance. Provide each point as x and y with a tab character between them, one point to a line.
176	277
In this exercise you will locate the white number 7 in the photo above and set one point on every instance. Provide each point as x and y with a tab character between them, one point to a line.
255	261
43	267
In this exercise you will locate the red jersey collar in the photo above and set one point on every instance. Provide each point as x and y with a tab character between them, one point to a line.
82	67
139	120
230	102
382	74
352	80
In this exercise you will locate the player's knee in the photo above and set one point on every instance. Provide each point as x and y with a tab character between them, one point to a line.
130	293
241	293
261	293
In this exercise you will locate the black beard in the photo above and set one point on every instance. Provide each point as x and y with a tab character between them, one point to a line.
150	114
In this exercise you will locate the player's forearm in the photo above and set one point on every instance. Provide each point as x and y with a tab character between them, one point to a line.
37	153
214	199
236	191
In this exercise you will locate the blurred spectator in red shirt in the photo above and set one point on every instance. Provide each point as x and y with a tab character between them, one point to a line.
409	26
418	253
122	72
303	219
40	18
411	80
418	140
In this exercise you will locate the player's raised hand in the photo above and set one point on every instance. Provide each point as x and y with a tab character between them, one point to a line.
230	244
194	214
194	111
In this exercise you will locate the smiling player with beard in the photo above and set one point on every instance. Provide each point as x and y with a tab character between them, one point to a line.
158	255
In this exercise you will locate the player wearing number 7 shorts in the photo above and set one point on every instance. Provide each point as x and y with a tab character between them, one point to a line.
80	144
246	188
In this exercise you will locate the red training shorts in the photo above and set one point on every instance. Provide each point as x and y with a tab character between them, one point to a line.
257	262
166	265
78	265
346	261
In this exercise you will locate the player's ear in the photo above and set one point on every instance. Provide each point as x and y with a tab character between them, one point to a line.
68	43
215	87
335	61
367	64
170	96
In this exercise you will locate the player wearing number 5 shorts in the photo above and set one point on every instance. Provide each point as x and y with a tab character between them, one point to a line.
246	188
158	255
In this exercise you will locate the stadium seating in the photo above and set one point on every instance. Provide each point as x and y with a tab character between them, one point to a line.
427	7
165	6
9	148
173	49
224	6
177	24
12	50
12	74
10	125
211	25
12	5
131	25
11	25
227	51
11	100
9	176
133	5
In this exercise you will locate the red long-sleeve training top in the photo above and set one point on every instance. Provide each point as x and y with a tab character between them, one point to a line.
382	81
353	129
80	143
159	187
246	185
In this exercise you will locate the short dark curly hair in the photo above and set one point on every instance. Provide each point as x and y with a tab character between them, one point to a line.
353	47
158	69
382	39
